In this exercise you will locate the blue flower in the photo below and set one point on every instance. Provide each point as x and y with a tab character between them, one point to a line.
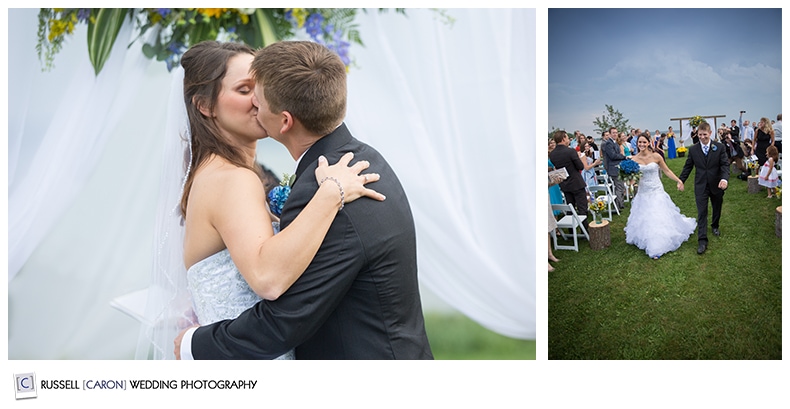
277	197
83	15
279	194
629	170
714	148
163	12
313	25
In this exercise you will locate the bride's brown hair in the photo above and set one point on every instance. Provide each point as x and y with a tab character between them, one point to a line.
205	65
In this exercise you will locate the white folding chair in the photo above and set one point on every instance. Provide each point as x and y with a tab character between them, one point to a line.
604	193
779	167
569	221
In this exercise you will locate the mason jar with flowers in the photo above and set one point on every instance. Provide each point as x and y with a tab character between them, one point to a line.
597	206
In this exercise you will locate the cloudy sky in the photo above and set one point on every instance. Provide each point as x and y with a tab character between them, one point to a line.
657	64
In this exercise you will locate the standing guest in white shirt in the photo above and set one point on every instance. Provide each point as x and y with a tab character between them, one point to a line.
778	133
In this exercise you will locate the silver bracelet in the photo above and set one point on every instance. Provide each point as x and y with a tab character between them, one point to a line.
339	186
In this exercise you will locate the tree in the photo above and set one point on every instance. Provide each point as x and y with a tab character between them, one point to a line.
611	118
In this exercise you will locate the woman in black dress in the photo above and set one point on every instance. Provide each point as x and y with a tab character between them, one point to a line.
763	138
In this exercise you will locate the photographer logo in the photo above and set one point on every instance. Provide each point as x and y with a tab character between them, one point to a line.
25	385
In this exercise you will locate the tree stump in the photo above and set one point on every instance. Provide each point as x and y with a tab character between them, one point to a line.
779	222
600	237
754	187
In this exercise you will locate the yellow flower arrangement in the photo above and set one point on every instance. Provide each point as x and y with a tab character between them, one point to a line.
696	120
681	149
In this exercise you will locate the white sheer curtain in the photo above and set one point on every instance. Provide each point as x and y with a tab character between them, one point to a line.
452	109
685	128
84	163
58	127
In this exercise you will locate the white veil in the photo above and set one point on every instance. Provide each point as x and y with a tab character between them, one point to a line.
169	306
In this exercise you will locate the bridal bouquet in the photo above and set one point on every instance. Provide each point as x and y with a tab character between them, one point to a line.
629	171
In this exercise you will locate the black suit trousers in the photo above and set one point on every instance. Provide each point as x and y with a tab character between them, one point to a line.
701	197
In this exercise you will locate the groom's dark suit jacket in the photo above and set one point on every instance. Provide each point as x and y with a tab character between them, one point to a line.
358	299
710	170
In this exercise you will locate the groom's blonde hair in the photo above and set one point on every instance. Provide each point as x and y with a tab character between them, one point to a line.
704	126
304	78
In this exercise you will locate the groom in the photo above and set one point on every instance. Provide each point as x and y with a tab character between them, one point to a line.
358	298
710	181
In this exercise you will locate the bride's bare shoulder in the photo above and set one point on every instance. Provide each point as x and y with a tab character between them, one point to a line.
219	171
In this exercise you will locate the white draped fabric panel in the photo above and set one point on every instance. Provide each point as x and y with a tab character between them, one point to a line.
452	108
685	127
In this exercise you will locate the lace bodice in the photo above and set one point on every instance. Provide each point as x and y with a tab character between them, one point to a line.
219	291
650	180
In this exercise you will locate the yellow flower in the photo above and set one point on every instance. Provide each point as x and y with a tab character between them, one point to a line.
216	13
300	15
56	29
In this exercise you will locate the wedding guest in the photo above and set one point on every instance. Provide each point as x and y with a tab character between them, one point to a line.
610	152
591	143
633	140
575	141
660	146
573	187
769	177
763	139
587	157
555	194
553	181
671	150
747	133
625	147
735	154
778	132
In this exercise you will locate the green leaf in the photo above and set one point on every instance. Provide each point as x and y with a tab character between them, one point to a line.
102	33
265	29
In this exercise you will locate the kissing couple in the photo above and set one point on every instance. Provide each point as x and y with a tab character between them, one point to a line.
339	279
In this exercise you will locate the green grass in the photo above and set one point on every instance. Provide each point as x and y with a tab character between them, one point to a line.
456	337
617	303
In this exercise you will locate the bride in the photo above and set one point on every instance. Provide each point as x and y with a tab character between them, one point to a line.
655	223
216	251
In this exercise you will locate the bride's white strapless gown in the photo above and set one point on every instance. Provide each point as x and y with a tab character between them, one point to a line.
219	291
655	224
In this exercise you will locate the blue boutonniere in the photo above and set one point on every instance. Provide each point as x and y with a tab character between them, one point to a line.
279	194
713	148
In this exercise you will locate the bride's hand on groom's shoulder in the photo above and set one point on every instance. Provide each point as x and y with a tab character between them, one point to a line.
350	178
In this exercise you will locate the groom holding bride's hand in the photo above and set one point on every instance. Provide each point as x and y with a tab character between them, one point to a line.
710	181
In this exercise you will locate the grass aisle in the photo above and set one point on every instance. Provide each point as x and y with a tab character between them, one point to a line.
617	303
